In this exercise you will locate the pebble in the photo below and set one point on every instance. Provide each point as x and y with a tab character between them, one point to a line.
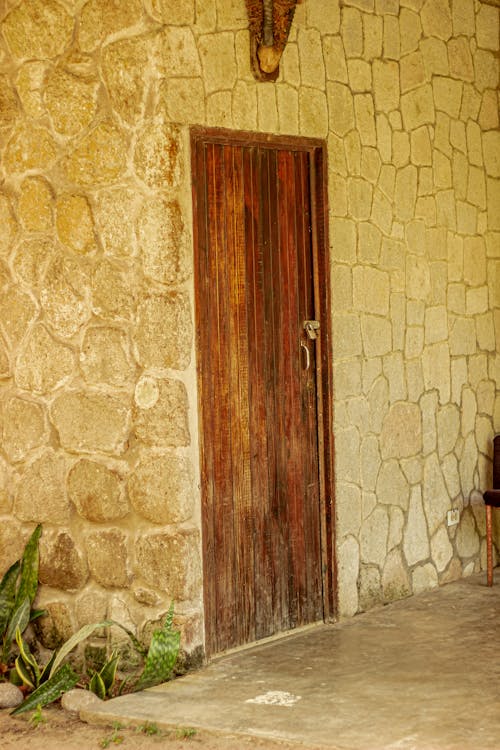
77	700
10	695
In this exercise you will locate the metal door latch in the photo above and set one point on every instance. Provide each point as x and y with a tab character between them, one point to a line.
310	327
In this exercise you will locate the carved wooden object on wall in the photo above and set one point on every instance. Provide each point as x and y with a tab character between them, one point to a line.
270	22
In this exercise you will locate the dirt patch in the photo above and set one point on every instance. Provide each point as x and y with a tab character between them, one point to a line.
59	730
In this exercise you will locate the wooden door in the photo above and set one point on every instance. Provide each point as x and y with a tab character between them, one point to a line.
264	517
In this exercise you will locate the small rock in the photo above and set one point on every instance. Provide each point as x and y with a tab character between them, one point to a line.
77	700
10	695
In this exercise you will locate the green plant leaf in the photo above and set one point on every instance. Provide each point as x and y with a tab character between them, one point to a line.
97	686
19	619
8	594
63	680
75	639
28	658
161	658
46	670
135	641
169	618
28	584
36	613
25	672
108	672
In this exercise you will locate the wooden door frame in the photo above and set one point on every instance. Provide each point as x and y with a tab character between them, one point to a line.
324	362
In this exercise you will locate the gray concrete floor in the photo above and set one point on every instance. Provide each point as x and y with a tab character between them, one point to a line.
423	673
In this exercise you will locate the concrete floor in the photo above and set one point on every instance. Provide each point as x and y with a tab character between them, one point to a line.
420	674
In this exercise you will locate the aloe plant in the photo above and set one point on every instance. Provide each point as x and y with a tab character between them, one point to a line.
63	680
17	592
162	654
102	682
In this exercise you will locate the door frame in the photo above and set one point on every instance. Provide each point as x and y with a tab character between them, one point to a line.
324	362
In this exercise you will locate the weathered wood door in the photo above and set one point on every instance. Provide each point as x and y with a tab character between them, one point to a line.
261	436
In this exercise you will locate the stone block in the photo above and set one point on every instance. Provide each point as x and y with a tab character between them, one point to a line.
9	107
172	11
126	66
436	324
105	356
488	114
360	75
338	194
218	61
288	109
29	148
392	42
100	18
448	425
166	422
184	100
24	427
491	151
435	57
114	290
35	204
424	578
37	29
347	577
347	455
467	539
392	487
372	36
71	100
99	158
378	398
418	280
476	187
417	107
370	462
335	62
485	332
97	492
29	82
12	539
324	16
351	31
164	331
435	494
370	591
347	378
395	581
75	226
436	369
412	71
88	422
341	289
371	164
377	335
313	113
359	198
447	95
410	30
157	155
178	53
406	192
365	119
160	489
493	193
56	626
401	435
416	542
62	564
115	211
341	108
486	73
8	223
347	336
373	537
386	85
348	507
43	364
436	19
170	563
414	342
461	65
107	558
371	290
312	68
369	242
40	495
162	240
64	295
474	261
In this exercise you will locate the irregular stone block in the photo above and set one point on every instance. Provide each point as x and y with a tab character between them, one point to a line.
162	240
392	487
5	366
341	108
348	507
172	11
29	85
347	577
62	564
35	204
435	56
491	152
373	537
64	296
461	65
347	456
335	62
71	101
17	312
24	427
164	331
91	606
9	106
218	61
405	192
12	540
313	113
40	495
38	28
8	224
351	31
395	581
170	563
157	156
486	71
401	435
441	549
105	356
370	589
90	421
436	19
371	290
165	423
43	363
114	290
386	85
184	101
467	539
377	335
417	107
347	336
424	578
75	226
97	492
435	495
312	67
29	148
54	628
359	198
160	489
378	397
100	158
100	18
107	558
115	211
126	65
416	542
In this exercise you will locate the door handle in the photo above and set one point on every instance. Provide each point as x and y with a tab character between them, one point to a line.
308	355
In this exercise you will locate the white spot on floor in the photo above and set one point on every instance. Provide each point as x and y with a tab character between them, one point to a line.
275	698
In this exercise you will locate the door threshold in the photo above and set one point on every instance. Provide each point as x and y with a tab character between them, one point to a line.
268	639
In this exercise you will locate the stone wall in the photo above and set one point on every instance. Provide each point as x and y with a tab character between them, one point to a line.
98	404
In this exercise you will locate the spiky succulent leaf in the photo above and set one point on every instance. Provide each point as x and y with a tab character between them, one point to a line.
19	619
28	658
36	613
97	686
8	594
169	618
60	682
161	658
108	672
75	639
46	670
28	583
25	672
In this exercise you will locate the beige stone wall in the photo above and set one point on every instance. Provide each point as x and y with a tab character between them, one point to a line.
97	377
